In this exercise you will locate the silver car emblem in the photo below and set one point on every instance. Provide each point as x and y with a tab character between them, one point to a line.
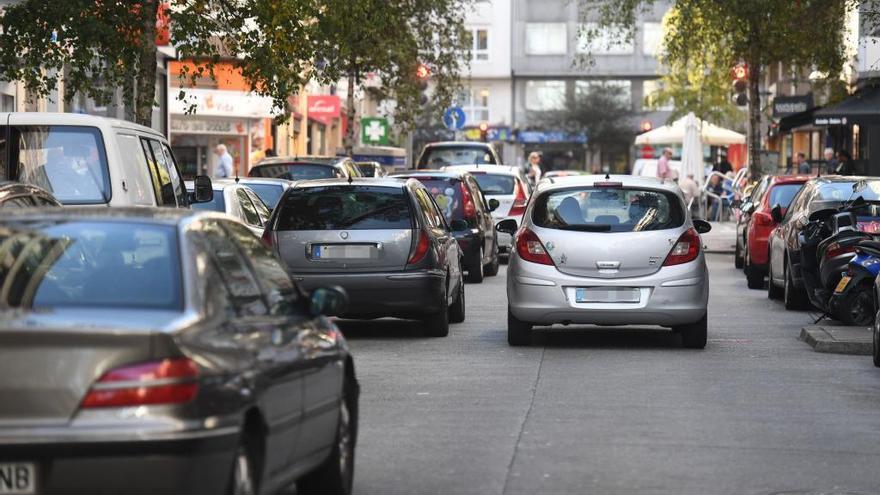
607	265
343	234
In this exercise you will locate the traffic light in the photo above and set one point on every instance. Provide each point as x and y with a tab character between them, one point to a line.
740	75
484	132
423	72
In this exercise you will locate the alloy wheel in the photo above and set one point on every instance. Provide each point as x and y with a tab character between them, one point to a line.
242	479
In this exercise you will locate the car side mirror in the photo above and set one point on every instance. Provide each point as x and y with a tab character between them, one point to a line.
776	213
328	301
203	190
494	204
458	225
702	226
507	226
738	204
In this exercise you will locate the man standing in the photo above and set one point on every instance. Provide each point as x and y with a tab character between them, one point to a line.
845	165
534	167
830	161
664	171
224	163
803	166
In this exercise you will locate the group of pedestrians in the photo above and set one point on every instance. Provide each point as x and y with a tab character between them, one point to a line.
840	163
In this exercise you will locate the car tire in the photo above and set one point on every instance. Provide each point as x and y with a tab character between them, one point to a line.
876	344
519	333
694	335
457	310
856	308
336	475
792	299
754	276
738	256
492	268
475	270
243	479
437	324
773	291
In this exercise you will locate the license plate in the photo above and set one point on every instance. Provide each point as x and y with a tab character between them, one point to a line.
18	478
607	295
343	251
844	281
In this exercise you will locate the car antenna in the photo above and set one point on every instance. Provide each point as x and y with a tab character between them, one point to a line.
350	179
607	177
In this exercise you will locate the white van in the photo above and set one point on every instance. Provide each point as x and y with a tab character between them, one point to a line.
90	160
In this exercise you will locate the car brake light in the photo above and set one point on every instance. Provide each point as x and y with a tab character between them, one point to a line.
835	249
171	381
763	219
268	239
608	184
420	249
530	248
519	201
470	209
685	250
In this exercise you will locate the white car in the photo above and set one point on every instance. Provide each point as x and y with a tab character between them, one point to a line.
509	186
647	167
238	201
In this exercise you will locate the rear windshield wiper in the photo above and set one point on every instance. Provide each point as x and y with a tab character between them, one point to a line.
593	227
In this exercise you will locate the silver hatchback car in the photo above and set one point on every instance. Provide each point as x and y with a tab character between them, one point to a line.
606	250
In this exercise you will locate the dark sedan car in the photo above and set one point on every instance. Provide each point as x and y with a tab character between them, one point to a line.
383	240
18	195
165	352
460	198
784	265
306	167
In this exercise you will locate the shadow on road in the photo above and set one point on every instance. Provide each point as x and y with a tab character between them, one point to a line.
391	328
598	337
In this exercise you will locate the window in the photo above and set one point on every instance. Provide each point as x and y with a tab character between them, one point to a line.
217	203
247	208
495	183
139	186
782	194
345	207
269	193
651	101
238	279
603	41
448	196
652	38
608	210
620	90
262	211
546	38
475	104
432	214
169	188
479	38
436	157
68	161
545	95
295	171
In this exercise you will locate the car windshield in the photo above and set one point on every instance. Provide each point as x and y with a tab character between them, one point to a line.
494	183
90	264
345	208
68	161
442	156
269	193
217	203
782	194
843	191
592	209
295	171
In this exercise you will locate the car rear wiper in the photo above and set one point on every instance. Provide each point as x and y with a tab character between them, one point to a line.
593	227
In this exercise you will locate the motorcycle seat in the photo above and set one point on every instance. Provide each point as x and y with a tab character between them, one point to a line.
870	247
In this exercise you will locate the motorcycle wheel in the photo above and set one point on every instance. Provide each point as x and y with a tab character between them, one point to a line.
856	308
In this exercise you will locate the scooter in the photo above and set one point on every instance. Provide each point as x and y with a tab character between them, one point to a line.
853	300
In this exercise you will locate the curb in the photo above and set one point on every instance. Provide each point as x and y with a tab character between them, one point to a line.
855	341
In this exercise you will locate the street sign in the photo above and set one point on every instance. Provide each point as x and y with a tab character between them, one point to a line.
454	118
374	130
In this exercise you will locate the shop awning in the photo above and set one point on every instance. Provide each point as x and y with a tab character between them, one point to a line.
674	133
861	108
795	120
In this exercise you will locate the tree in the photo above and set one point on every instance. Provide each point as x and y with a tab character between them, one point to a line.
96	47
390	39
754	32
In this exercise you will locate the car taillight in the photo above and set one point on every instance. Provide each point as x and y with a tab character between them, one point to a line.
470	209
685	250
835	249
762	218
530	248
519	201
171	381
268	239
420	249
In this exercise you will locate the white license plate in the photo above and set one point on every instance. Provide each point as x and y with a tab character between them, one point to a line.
343	251
18	478
607	295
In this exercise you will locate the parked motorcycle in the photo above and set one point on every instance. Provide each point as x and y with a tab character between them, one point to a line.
853	300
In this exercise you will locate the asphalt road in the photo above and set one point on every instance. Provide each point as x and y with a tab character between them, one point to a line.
614	411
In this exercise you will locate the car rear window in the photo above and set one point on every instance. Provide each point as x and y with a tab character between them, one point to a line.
494	183
269	193
782	194
90	264
447	194
295	171
217	203
442	156
345	208
592	209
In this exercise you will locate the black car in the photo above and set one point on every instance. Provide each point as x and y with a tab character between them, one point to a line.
784	265
459	197
306	167
150	351
18	195
435	156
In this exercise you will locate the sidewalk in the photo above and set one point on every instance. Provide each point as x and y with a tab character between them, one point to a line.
721	239
838	339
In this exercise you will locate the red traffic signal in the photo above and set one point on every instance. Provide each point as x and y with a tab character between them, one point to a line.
423	72
740	72
484	127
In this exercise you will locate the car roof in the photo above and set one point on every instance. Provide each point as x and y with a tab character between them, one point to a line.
264	180
313	160
556	183
63	118
485	168
440	174
789	179
469	144
137	214
359	181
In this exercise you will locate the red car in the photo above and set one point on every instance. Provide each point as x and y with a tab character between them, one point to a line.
780	190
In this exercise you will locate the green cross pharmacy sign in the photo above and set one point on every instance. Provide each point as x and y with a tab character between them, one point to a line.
374	130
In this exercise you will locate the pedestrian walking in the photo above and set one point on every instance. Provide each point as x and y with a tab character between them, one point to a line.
535	172
845	164
664	171
224	162
830	161
802	164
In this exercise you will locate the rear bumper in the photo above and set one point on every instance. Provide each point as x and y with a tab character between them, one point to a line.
187	464
542	295
402	294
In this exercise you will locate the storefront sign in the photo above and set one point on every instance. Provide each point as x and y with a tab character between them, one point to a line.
218	102
789	105
374	130
190	125
830	121
324	108
536	137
